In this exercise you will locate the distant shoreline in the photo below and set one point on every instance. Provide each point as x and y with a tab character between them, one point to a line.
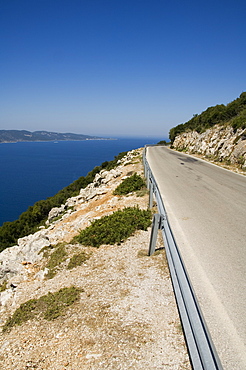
16	136
55	141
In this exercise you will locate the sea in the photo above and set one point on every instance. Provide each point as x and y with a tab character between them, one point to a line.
31	171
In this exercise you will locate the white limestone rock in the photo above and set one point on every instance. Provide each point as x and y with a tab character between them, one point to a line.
27	250
55	212
5	296
219	141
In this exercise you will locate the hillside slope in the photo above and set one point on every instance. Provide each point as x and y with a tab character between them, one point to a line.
126	315
218	144
218	133
232	114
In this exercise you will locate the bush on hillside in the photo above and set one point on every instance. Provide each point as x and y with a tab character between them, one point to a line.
233	113
130	184
48	306
115	228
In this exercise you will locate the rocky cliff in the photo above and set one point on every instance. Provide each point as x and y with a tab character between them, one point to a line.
220	143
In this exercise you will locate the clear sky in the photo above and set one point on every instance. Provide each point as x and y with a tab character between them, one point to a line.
118	67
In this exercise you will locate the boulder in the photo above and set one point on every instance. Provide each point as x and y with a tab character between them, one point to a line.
14	259
55	212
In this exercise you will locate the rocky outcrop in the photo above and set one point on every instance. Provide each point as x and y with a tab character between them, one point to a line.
15	260
220	143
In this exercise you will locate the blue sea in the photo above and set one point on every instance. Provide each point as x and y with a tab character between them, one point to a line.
37	170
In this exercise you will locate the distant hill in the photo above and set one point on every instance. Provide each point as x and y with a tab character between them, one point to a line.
12	136
233	114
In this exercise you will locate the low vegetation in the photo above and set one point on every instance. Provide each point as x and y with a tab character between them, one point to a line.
49	307
55	259
77	260
3	286
115	228
163	142
233	114
130	184
57	256
36	215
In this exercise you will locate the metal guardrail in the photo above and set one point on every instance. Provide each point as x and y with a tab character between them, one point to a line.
199	343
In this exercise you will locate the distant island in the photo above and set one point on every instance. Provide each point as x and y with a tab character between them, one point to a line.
13	136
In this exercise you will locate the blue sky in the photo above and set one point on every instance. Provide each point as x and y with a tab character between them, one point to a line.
118	67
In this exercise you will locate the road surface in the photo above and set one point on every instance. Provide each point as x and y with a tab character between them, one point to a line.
206	208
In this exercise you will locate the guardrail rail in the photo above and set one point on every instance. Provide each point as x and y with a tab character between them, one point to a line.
201	349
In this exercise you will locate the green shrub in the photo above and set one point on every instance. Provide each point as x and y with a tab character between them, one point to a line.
115	228
77	260
241	160
49	307
55	259
46	250
233	114
239	121
3	286
163	142
130	184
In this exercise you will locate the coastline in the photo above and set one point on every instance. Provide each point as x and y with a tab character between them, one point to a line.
50	141
33	171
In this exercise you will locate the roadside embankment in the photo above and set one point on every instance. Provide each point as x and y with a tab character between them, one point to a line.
219	144
126	315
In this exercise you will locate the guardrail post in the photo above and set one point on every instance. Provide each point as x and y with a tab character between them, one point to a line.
156	225
151	192
148	180
145	167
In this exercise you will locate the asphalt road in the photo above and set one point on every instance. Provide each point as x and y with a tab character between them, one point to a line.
206	208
